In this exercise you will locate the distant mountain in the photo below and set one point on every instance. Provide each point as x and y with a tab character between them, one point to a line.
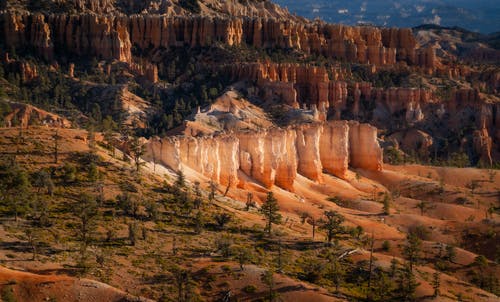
478	15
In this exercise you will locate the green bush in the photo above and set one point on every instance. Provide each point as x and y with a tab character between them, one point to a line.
386	245
250	289
8	294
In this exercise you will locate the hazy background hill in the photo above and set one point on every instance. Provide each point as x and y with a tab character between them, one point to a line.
479	15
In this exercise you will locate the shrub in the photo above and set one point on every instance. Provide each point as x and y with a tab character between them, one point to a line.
386	245
420	231
7	294
250	289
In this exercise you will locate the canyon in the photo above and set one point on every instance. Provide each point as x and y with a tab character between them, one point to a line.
274	156
148	144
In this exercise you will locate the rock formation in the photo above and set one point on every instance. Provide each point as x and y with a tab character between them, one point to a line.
269	157
334	148
274	156
364	150
298	85
111	37
23	115
482	144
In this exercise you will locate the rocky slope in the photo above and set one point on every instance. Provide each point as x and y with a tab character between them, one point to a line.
32	287
457	43
23	115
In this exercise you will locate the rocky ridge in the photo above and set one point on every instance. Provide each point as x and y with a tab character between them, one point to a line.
112	37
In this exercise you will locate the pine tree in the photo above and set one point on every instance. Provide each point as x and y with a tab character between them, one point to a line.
243	255
451	253
423	206
249	203
436	283
270	210
198	222
137	150
412	250
56	138
132	233
86	211
407	284
387	204
222	219
267	278
332	224
180	182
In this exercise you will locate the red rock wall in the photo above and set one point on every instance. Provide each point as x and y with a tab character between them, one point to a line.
298	85
111	37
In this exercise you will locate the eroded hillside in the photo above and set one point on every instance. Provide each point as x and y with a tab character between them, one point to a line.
228	150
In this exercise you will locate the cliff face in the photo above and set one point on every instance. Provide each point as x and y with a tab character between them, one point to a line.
298	85
364	151
482	144
334	148
269	157
324	90
111	37
275	156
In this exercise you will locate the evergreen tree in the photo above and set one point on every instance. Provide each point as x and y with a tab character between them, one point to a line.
222	219
180	182
86	212
198	222
451	253
387	204
56	138
137	150
41	180
184	284
332	225
249	203
412	250
407	284
267	278
14	189
132	233
436	283
270	210
243	255
423	206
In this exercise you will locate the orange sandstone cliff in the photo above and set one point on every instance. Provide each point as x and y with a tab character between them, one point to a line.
112	37
274	156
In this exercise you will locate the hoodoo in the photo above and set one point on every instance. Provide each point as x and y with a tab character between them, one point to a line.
275	156
112	36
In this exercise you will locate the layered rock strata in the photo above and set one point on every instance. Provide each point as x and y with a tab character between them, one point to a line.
111	37
302	85
275	156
